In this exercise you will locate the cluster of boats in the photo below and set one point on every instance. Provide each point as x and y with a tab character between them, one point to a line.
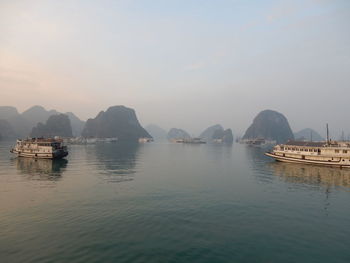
258	142
190	141
329	153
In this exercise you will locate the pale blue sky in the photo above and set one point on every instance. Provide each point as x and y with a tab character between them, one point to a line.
186	64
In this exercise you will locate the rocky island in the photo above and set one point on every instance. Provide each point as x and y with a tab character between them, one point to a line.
176	134
116	122
56	125
217	133
269	125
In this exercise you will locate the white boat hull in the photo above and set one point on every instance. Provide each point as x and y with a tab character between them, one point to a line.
54	155
333	163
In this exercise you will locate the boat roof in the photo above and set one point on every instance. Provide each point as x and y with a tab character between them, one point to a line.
42	140
306	143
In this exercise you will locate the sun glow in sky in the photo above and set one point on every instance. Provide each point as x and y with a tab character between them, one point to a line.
186	64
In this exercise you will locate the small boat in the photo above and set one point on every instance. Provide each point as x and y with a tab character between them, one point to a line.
40	148
145	140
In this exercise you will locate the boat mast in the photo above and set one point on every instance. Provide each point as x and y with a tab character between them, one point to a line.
327	134
311	135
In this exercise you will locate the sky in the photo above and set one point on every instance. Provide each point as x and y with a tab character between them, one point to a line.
186	64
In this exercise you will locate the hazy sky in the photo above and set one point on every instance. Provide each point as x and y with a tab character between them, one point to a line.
186	64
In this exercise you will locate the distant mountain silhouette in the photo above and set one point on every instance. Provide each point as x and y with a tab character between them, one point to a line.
305	135
6	130
116	121
208	133
7	112
175	134
76	123
270	125
156	132
56	125
225	136
22	124
217	132
37	114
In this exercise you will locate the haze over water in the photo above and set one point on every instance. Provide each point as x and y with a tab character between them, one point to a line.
163	202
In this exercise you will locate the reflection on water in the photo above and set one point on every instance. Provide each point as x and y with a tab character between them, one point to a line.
219	151
267	168
258	163
118	160
41	169
309	174
184	204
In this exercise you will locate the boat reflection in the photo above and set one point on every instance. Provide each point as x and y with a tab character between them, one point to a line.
117	160
41	169
312	175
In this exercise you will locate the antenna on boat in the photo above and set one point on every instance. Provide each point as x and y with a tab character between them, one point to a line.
327	134
311	135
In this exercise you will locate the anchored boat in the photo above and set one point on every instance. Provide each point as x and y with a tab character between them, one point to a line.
330	153
40	148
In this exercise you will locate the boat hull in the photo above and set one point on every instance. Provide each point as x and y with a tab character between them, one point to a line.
54	155
306	161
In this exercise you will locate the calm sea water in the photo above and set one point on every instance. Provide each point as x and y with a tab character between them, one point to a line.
171	203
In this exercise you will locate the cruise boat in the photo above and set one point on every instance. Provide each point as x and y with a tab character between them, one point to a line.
40	148
329	153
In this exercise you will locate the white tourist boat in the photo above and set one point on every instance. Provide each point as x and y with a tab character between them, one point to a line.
40	148
329	153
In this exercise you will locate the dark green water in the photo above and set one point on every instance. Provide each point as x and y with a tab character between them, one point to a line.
171	203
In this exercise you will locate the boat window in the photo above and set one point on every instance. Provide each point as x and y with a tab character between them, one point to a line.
336	151
345	151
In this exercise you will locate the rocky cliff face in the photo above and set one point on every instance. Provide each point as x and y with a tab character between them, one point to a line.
56	125
175	134
305	135
270	125
117	121
156	132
